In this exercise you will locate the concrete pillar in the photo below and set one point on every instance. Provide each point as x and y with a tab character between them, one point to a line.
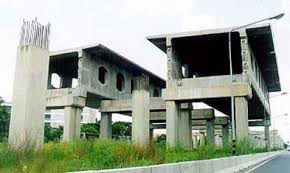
201	139
106	126
241	112
267	138
225	134
151	134
194	141
72	123
172	122
29	97
174	68
66	82
49	85
141	111
185	128
210	131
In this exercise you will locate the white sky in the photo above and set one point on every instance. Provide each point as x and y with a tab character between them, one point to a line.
123	25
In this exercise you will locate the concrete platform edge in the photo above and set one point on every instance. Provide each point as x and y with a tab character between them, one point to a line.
220	165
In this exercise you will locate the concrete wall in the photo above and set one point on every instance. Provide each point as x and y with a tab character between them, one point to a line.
88	77
222	165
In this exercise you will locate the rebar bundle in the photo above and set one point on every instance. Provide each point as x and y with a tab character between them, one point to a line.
33	33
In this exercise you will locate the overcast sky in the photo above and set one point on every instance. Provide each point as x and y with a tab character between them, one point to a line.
122	25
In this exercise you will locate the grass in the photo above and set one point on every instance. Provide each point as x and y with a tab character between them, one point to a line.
103	154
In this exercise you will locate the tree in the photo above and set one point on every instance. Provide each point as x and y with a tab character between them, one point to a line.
91	130
121	129
4	120
52	134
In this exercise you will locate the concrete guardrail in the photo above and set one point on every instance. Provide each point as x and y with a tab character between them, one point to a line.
220	165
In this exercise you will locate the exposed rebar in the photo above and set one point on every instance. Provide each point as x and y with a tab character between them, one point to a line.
33	33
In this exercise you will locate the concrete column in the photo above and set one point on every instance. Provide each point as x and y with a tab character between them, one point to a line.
172	122
49	86
267	138
225	134
29	97
106	126
151	134
66	82
185	128
72	123
210	131
241	112
174	68
201	139
141	111
194	141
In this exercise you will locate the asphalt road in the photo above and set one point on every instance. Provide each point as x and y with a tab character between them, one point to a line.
280	164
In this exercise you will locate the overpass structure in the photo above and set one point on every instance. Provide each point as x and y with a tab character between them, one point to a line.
198	70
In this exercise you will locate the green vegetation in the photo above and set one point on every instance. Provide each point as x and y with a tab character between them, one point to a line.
102	154
52	134
4	120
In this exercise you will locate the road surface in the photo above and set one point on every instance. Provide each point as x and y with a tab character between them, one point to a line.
280	164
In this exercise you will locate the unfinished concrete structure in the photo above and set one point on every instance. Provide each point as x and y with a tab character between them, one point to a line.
204	55
102	74
28	102
197	70
157	109
200	122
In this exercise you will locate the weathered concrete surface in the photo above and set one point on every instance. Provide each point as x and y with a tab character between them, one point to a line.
256	74
125	105
241	112
106	125
225	134
267	138
140	111
204	88
261	123
87	61
28	101
72	123
172	122
185	128
218	121
163	126
64	101
210	131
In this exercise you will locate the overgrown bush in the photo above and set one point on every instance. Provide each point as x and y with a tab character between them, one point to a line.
52	134
104	154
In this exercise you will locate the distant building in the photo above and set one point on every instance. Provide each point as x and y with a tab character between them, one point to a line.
55	117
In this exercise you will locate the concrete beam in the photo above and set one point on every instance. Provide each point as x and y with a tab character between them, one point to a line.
197	114
125	105
259	123
205	88
59	98
163	126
